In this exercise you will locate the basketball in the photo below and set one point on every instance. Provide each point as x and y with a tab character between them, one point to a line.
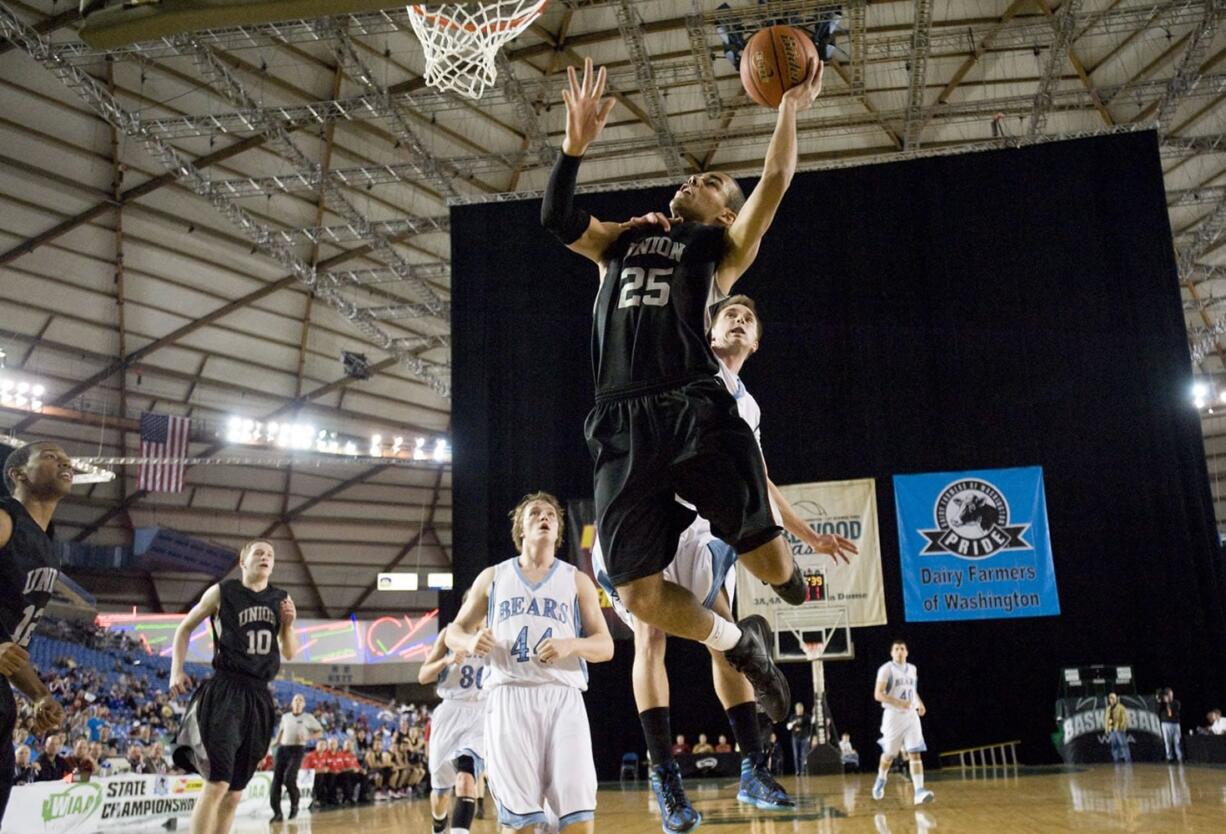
774	61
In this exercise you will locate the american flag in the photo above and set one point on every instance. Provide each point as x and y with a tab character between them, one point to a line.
164	437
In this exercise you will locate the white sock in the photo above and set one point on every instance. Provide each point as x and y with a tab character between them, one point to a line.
883	772
917	775
724	634
459	831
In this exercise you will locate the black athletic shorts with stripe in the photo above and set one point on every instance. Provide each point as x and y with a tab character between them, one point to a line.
687	440
227	729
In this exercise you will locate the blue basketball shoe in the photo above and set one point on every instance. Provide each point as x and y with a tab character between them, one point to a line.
759	788
676	812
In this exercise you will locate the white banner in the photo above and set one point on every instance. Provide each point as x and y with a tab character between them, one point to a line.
844	508
125	803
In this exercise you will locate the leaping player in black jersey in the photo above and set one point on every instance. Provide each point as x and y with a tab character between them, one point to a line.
38	475
229	723
663	424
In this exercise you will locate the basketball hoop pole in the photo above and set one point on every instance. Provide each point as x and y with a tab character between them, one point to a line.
819	700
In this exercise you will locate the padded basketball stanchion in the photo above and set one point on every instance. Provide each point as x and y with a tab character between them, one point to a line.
461	40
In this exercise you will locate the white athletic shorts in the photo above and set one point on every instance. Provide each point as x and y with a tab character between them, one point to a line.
901	731
702	566
457	728
539	752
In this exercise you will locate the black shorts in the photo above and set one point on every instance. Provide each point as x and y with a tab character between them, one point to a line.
226	729
688	441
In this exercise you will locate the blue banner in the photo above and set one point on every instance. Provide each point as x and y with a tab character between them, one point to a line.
974	545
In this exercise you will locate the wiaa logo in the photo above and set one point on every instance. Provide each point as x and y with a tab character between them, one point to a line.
972	519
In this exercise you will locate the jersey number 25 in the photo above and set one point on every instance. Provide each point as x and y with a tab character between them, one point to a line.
649	288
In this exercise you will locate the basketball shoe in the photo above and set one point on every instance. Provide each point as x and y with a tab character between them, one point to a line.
676	812
759	789
923	796
751	657
793	592
879	788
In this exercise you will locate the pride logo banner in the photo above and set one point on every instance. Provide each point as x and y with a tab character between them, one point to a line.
975	545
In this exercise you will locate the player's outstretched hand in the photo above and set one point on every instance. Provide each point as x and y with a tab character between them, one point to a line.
553	649
803	94
650	220
12	658
586	112
481	643
288	612
180	684
836	547
48	715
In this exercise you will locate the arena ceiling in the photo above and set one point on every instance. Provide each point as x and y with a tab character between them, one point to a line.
200	226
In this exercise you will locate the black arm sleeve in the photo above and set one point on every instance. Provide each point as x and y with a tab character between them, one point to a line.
558	212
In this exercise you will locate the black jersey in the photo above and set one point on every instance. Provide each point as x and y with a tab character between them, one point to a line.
245	630
652	312
28	570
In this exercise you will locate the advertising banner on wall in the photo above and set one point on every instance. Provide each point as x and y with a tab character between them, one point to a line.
125	803
844	508
975	545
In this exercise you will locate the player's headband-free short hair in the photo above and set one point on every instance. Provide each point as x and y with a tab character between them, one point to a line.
898	641
19	458
744	301
517	518
249	546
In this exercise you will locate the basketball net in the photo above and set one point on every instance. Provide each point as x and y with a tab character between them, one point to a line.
461	40
813	651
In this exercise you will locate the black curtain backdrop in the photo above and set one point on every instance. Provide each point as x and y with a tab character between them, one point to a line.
1009	308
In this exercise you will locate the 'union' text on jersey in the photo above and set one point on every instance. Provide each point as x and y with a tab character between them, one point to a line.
40	580
257	614
667	247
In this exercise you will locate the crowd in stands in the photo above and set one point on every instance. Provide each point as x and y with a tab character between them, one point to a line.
119	718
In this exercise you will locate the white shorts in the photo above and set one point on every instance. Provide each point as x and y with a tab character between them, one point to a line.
901	731
703	565
538	753
457	728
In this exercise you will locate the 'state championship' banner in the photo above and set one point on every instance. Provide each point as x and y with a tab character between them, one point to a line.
131	802
844	508
975	545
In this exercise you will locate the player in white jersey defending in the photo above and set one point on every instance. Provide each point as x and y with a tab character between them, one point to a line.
703	565
901	709
457	734
539	621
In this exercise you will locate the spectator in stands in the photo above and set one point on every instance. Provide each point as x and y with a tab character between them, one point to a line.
774	755
851	759
136	760
800	727
1115	723
680	748
703	746
349	774
95	722
723	746
1168	717
51	765
379	767
1216	723
157	759
82	763
319	760
25	772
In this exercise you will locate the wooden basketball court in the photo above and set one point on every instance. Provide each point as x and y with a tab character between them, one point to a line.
1143	798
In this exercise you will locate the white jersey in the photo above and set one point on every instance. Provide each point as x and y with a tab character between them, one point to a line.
522	614
746	405
900	683
465	682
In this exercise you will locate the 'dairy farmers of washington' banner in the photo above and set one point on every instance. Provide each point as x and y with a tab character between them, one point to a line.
974	545
844	508
131	802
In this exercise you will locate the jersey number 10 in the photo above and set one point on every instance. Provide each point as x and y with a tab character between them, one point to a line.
259	642
649	288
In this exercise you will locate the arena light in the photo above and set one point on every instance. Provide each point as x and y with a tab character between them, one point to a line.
305	437
1200	390
439	581
21	393
397	582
